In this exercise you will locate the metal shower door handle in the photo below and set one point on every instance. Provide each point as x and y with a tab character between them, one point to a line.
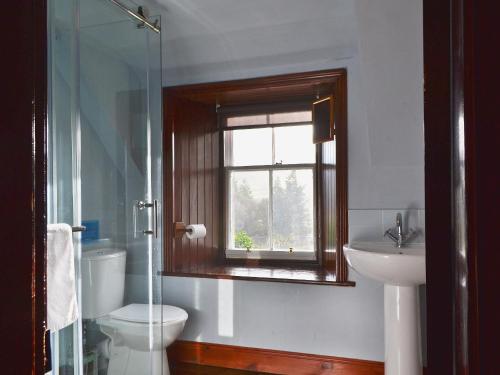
141	205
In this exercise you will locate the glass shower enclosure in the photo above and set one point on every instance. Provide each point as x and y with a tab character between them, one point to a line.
104	176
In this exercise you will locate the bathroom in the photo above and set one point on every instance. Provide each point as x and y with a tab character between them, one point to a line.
234	187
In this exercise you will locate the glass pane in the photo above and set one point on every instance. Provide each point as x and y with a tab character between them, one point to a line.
247	120
249	147
104	155
288	117
62	174
120	100
293	210
293	145
249	210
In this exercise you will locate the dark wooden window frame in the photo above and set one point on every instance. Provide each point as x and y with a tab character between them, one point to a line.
331	266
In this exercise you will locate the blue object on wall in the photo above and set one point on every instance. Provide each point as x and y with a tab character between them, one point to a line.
92	231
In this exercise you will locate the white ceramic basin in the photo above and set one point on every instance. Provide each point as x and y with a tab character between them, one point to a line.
386	263
401	270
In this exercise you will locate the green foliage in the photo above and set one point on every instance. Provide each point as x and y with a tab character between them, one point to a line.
243	240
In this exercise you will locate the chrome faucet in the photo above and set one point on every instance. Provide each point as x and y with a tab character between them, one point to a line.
396	233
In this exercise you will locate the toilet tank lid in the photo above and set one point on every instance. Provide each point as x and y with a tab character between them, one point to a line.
102	254
140	313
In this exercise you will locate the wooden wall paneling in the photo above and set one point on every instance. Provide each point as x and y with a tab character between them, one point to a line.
181	183
207	190
168	182
201	177
194	126
269	361
184	125
341	162
192	183
178	182
327	204
182	129
215	188
215	191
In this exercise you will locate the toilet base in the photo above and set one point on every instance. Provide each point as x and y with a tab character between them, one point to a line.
126	361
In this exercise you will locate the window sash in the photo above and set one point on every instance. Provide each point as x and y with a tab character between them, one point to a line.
228	144
227	112
269	253
262	126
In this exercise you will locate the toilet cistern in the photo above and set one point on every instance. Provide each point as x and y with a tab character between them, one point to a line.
396	233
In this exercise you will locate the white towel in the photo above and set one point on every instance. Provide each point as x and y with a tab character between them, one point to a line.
62	307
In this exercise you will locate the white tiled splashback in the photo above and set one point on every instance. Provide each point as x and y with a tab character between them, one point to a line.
370	225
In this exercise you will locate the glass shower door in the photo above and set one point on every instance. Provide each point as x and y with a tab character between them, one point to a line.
108	160
63	184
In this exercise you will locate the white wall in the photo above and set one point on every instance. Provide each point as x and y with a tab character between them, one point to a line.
281	316
380	43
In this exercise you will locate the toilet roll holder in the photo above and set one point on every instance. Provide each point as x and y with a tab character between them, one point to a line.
180	228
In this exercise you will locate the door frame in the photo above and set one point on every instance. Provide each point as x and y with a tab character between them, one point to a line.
462	139
23	188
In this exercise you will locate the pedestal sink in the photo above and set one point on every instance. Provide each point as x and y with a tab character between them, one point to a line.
401	270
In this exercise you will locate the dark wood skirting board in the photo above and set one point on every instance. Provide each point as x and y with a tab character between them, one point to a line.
269	361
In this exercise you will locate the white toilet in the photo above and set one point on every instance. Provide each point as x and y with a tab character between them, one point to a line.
139	333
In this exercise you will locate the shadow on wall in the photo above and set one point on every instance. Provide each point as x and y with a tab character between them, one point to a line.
298	318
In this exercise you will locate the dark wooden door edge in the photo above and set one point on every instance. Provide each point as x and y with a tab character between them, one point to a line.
438	149
23	186
269	361
461	130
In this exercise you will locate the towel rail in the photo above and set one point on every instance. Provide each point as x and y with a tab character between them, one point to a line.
79	229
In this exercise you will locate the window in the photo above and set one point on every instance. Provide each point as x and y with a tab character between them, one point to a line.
240	158
270	180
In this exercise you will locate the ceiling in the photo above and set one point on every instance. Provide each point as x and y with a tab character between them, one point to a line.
213	40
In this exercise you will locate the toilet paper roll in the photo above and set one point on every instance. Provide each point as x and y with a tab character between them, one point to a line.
194	231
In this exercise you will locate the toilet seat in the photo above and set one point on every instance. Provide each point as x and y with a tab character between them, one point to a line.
140	313
133	346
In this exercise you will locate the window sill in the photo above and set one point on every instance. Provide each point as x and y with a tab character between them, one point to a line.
306	275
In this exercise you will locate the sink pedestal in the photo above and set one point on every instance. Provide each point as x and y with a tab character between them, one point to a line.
401	270
402	330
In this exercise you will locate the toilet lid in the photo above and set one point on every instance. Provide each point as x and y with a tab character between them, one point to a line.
140	313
